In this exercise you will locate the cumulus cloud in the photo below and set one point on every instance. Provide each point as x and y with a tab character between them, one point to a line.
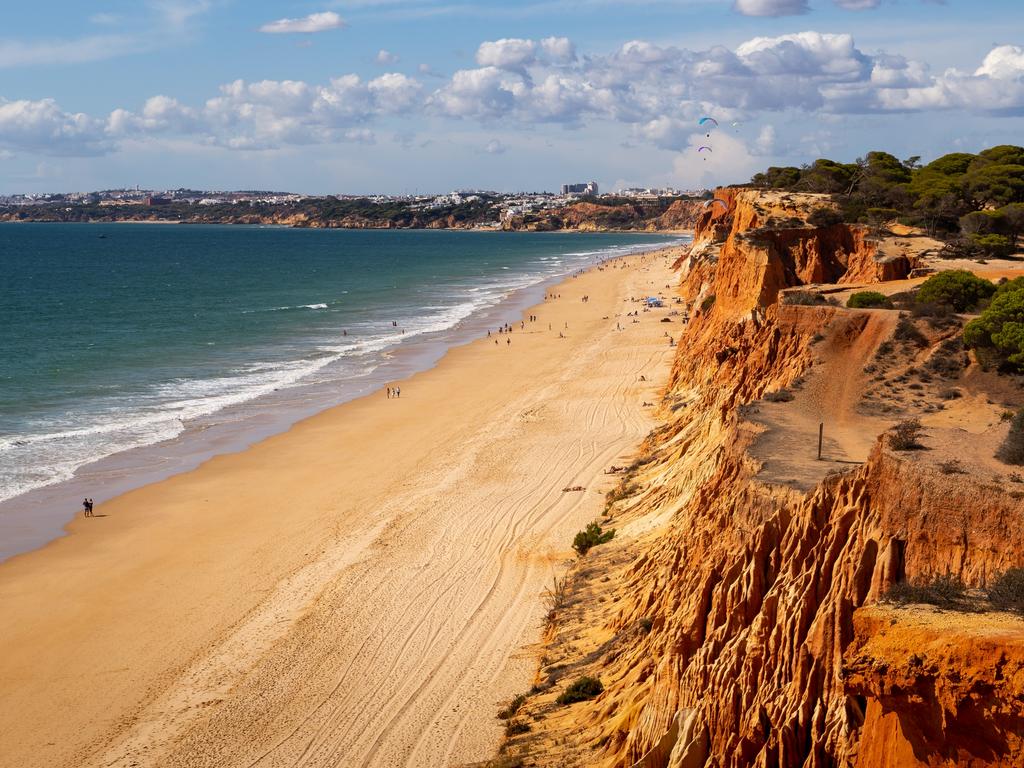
494	147
314	22
771	7
509	53
386	58
559	50
1005	62
43	126
656	92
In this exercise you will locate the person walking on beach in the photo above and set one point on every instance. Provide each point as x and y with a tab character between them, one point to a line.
509	342
389	393
398	391
85	508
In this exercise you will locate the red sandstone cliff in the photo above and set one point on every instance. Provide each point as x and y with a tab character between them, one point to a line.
737	619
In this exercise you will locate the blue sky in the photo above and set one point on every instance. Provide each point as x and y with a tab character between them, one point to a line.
421	95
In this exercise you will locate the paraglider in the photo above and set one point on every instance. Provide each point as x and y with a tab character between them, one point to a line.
707	120
718	200
701	149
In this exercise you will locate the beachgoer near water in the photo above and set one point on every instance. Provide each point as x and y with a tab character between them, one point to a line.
508	341
389	393
85	507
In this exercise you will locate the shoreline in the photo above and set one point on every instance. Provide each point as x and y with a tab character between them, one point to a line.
33	519
355	590
498	230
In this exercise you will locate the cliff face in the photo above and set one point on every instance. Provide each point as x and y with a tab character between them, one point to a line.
648	216
590	217
765	244
741	624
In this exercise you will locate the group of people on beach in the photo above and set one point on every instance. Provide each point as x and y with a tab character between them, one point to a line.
87	506
394	392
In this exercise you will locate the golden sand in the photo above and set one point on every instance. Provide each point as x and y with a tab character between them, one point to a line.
360	590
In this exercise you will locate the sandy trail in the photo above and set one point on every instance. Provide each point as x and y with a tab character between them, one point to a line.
355	592
831	391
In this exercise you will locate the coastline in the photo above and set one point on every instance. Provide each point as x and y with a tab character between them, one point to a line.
380	560
39	516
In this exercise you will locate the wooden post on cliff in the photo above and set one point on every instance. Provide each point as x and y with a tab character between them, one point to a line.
821	432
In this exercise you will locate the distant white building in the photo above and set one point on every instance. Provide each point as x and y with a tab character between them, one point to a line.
590	188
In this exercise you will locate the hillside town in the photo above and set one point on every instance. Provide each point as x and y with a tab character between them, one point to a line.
507	204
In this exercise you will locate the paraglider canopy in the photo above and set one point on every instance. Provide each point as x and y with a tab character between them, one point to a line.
707	120
718	200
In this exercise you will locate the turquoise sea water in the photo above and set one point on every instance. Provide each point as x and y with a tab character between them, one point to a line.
117	337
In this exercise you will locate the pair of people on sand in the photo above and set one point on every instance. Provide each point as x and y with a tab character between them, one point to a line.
394	392
87	506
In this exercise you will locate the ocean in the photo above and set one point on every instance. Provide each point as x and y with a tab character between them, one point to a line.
132	351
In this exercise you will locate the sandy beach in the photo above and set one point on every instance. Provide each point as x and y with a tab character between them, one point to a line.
361	590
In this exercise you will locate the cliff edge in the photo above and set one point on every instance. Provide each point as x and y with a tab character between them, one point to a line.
741	617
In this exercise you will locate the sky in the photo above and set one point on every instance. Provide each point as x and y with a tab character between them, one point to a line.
427	96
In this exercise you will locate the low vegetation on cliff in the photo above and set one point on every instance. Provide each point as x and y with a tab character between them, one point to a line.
976	200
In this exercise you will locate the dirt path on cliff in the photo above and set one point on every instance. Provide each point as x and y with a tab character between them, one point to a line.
829	395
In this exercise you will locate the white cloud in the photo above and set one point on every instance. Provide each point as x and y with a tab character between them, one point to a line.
511	53
730	159
559	50
43	126
858	5
494	147
656	92
386	58
770	7
666	132
1004	62
765	143
314	22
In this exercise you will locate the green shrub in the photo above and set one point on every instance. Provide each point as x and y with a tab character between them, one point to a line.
778	396
1006	592
1001	326
825	217
907	331
878	216
583	689
941	590
590	537
708	303
516	727
957	288
863	299
993	245
513	706
906	436
803	298
1012	449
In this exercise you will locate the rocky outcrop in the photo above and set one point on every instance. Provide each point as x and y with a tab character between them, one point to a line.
742	627
930	691
766	245
585	216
